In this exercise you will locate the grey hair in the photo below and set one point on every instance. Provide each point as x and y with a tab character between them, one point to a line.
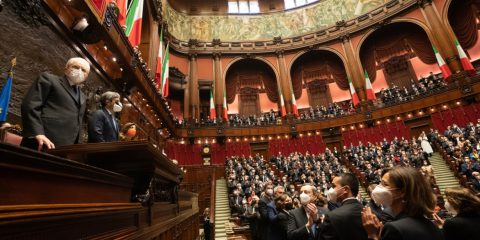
80	60
277	188
106	96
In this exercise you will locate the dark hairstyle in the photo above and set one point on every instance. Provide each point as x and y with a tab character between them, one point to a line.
280	201
418	195
463	199
350	180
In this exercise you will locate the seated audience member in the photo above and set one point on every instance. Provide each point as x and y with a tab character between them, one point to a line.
465	207
103	126
348	215
405	191
53	108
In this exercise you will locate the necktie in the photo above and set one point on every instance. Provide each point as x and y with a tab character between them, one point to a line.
314	230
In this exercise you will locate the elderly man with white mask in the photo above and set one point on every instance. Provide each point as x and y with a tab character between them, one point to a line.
53	108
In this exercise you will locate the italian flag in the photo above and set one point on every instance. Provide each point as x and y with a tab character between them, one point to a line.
282	105
122	6
368	84
294	105
443	66
353	93
165	72
466	64
225	110
134	22
212	106
158	71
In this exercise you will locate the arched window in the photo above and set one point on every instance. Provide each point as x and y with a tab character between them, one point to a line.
243	6
297	3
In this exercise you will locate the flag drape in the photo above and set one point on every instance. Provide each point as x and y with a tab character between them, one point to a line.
134	22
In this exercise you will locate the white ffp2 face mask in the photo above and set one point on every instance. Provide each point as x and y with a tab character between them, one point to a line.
117	107
304	198
382	196
332	195
450	208
76	76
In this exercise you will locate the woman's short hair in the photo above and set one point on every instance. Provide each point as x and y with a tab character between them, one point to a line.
418	196
462	199
280	201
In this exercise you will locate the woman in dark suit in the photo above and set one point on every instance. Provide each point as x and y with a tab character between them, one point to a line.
284	204
465	207
410	198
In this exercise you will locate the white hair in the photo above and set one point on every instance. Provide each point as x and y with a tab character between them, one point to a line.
80	61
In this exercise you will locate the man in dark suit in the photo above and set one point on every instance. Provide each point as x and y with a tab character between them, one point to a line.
53	108
103	126
348	215
303	221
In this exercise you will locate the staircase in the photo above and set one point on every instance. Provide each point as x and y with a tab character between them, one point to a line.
222	210
443	175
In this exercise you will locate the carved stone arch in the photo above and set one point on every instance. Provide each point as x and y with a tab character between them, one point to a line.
273	67
398	20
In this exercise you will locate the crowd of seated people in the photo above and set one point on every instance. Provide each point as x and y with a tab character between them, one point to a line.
333	110
461	146
425	85
314	197
372	158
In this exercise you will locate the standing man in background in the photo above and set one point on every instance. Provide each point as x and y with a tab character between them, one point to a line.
102	125
53	109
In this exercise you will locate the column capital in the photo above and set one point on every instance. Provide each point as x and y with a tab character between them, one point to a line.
345	38
216	55
279	52
424	3
192	56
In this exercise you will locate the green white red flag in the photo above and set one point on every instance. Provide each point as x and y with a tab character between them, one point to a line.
354	94
441	63
368	86
466	64
283	112
158	71
212	106
165	71
225	110
134	22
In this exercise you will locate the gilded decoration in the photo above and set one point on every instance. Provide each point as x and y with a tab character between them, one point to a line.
229	28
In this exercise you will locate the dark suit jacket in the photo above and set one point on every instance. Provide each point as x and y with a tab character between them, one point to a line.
279	226
296	225
465	226
52	108
347	216
411	228
101	128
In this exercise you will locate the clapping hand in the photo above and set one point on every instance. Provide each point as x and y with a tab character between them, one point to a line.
372	225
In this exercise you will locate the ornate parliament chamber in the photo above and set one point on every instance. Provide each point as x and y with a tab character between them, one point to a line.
219	94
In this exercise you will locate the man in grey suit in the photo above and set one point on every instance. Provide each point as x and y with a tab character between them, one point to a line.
53	109
102	125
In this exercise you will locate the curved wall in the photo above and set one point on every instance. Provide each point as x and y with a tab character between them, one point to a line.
286	24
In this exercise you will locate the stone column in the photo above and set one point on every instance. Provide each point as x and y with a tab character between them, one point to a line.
194	96
444	40
283	82
354	70
219	85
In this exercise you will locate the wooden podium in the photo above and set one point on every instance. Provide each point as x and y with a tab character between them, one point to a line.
121	190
